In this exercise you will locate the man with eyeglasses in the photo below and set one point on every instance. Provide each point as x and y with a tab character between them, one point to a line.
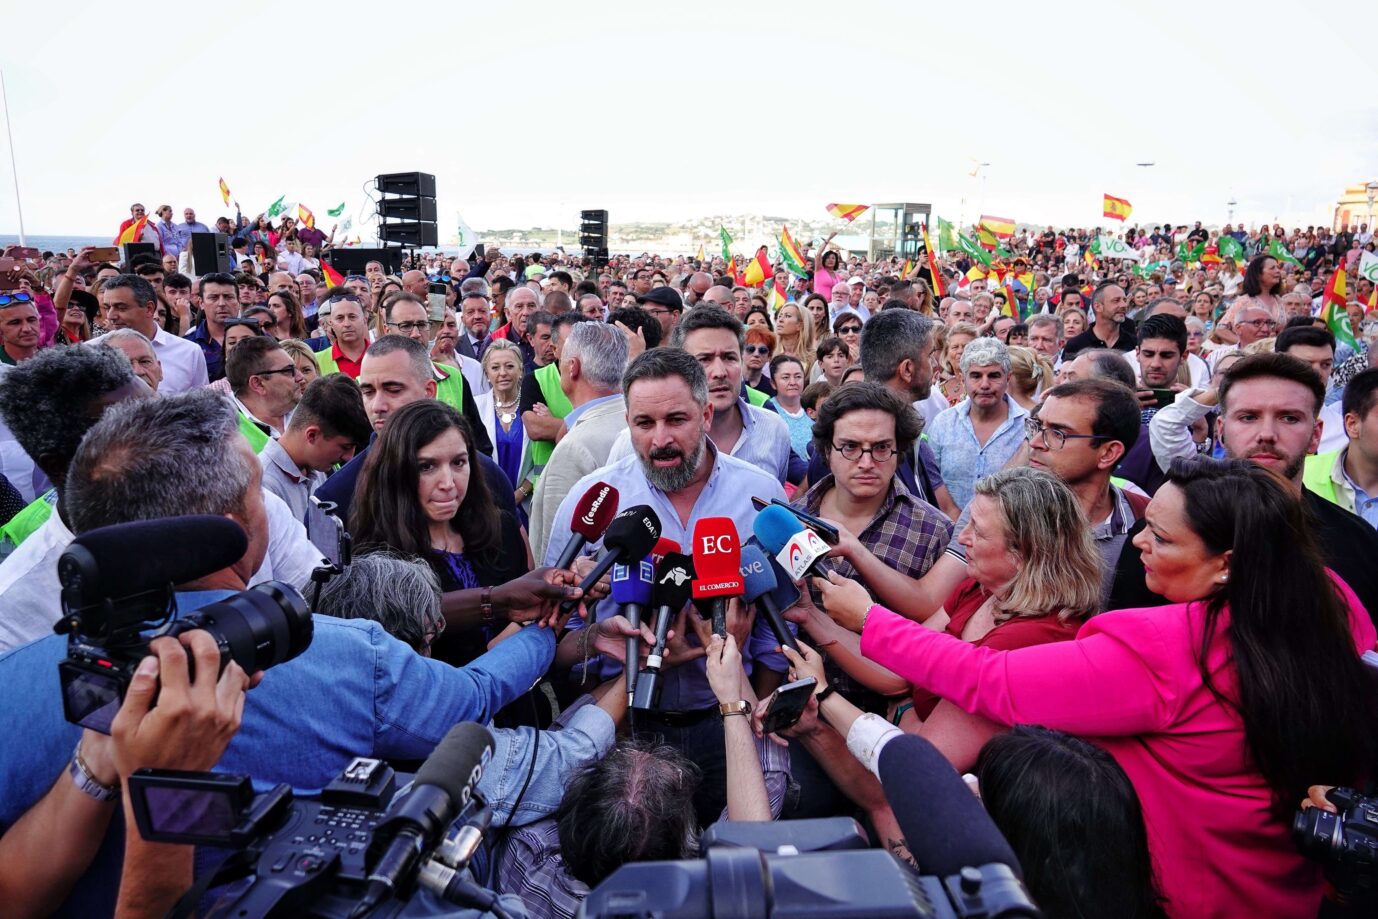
1253	323
266	384
665	306
408	315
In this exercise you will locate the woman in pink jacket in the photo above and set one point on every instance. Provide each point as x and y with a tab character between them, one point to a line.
1222	707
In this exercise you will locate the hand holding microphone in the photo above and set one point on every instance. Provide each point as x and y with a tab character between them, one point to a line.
630	537
631	591
673	585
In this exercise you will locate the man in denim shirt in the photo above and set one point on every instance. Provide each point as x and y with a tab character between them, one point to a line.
355	691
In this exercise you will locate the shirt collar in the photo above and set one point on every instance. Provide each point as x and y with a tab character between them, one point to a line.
283	460
575	413
1340	475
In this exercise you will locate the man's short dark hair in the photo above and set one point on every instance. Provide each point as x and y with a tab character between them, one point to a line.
1118	414
635	804
895	304
814	394
538	318
142	290
1277	366
564	277
333	403
662	363
829	345
247	358
1109	364
561	323
215	277
1361	393
856	397
556	301
1306	334
585	286
502	283
405	296
47	400
889	338
634	318
706	316
176	281
1166	327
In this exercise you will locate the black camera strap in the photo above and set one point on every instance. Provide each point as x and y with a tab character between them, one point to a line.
240	864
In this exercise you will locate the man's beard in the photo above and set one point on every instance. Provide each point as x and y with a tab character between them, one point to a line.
671	479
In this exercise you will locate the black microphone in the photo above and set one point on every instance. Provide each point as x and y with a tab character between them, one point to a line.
630	537
944	824
674	583
414	825
591	517
130	558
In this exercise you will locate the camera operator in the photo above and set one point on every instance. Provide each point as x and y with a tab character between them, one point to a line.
355	691
49	848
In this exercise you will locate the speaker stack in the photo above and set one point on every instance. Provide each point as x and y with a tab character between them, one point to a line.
593	235
406	209
210	253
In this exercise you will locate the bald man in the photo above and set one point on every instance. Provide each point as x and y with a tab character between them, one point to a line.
698	286
415	282
722	296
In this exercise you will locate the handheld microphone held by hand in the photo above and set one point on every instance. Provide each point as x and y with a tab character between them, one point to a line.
592	515
759	576
630	537
414	825
797	548
674	578
631	591
718	563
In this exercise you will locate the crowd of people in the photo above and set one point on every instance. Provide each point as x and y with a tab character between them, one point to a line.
1105	538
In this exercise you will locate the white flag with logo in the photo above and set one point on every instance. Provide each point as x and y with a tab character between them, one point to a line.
1368	267
1117	248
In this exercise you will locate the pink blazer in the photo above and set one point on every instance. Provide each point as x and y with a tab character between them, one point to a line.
1129	683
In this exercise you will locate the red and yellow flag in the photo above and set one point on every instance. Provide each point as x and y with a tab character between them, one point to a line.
999	227
134	232
778	297
790	255
908	267
332	277
702	256
732	270
1011	304
938	287
306	216
1117	208
847	212
757	270
224	191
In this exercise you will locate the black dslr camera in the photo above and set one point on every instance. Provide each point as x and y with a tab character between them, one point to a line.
118	584
1346	844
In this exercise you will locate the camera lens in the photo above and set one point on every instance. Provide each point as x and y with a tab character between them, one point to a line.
257	628
1317	833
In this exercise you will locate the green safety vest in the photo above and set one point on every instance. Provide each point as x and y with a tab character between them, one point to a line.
25	523
253	433
450	390
1315	476
548	378
326	362
756	397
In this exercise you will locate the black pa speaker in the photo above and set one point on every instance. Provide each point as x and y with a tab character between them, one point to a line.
210	252
353	261
130	250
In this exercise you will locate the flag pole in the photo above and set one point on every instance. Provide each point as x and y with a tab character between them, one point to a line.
13	168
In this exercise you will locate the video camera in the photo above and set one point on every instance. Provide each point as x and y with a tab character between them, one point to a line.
802	869
1346	844
354	850
118	583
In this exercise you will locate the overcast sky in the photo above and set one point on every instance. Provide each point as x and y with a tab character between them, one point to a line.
527	113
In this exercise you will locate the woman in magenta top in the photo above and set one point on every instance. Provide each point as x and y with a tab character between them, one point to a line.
1220	744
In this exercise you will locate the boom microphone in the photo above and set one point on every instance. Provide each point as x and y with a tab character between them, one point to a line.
674	578
414	826
943	823
630	537
591	518
797	548
718	564
759	576
631	591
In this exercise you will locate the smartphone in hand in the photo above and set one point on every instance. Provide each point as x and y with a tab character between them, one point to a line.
787	705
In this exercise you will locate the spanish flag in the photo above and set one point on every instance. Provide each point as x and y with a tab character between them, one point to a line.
134	232
1117	208
224	191
908	267
332	277
777	297
757	270
306	216
847	212
938	288
999	227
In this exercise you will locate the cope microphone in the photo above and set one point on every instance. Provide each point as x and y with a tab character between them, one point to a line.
592	515
797	548
415	825
759	575
674	578
717	564
630	537
631	591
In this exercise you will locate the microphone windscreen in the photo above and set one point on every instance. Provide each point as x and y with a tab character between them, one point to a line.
663	548
717	558
674	581
785	593
457	762
945	825
595	511
774	526
632	583
633	533
129	558
757	573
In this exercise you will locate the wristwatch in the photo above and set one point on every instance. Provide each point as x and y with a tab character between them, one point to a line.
86	782
740	707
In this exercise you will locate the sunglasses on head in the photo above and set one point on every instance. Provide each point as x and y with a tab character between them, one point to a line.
355	277
16	297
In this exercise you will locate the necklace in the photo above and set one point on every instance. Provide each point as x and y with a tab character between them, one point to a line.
506	410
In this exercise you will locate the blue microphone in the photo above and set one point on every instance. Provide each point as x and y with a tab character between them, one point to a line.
761	584
631	591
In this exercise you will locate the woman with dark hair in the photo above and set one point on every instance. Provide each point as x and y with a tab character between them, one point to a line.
1262	286
418	495
265	258
817	307
263	232
1222	707
290	321
1073	818
827	267
758	317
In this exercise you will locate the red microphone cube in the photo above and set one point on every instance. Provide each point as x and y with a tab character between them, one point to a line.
717	554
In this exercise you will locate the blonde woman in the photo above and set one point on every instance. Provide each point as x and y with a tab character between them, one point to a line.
502	366
794	334
1030	374
303	357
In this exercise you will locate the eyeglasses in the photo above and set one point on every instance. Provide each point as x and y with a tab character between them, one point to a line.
1261	323
879	452
19	297
292	369
410	326
757	349
1052	437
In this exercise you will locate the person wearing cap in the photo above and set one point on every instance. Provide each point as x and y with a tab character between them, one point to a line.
665	305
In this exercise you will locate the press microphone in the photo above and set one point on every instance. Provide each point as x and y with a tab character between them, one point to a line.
592	515
797	548
631	591
759	576
717	564
663	548
945	825
630	537
414	825
674	578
